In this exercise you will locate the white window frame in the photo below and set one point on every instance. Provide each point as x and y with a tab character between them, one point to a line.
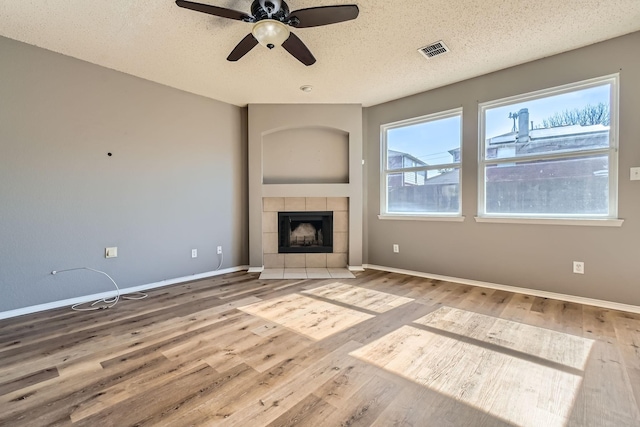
611	151
385	171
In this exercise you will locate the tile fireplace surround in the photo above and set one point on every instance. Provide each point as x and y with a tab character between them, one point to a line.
270	208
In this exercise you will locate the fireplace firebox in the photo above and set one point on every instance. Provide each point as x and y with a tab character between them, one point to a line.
305	232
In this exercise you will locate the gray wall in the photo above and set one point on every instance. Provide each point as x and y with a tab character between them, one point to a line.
532	256
177	179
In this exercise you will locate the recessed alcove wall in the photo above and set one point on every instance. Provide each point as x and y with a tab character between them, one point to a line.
275	131
310	155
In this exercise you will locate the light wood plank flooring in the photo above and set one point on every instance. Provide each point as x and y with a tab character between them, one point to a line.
382	349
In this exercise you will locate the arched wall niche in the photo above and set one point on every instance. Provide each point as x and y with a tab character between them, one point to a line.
305	155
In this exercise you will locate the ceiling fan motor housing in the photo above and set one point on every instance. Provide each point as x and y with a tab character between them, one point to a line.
264	9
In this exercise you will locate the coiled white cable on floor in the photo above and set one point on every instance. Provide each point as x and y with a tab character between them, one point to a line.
104	302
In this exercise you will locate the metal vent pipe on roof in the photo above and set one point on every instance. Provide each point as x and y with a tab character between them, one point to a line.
523	125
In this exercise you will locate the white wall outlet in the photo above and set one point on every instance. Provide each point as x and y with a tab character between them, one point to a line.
219	250
194	253
635	174
578	267
111	252
396	249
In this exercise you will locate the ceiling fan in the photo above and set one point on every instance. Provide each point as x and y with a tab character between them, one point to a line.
271	19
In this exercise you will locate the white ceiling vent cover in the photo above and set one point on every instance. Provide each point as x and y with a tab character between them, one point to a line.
434	49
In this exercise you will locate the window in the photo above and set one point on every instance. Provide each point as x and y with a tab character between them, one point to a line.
421	166
551	154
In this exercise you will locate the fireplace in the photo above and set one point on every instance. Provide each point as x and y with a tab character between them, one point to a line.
305	232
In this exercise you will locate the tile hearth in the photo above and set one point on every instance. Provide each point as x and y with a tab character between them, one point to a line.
306	273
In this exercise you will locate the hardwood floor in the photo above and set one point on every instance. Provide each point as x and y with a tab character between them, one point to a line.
383	349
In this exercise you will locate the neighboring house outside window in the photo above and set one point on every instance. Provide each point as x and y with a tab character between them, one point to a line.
399	160
421	166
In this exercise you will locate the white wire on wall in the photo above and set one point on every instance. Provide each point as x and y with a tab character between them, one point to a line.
221	259
102	303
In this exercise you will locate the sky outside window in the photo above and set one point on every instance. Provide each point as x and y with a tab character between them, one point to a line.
497	121
430	141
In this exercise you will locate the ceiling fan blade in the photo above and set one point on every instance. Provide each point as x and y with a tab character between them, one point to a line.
324	15
214	10
245	45
295	47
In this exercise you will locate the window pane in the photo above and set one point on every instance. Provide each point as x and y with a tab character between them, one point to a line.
435	142
424	192
569	186
575	121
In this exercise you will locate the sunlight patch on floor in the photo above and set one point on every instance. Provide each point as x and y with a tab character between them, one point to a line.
558	347
516	389
307	316
376	301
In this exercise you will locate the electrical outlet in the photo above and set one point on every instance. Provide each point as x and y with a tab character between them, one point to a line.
111	252
219	250
578	267
635	174
396	249
194	253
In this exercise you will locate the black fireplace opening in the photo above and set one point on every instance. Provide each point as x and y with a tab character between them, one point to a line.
305	232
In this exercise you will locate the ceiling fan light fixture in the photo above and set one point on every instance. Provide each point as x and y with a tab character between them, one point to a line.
270	33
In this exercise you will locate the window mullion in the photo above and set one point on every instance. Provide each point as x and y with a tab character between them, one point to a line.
423	168
565	155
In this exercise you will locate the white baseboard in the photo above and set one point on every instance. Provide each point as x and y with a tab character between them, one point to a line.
110	294
355	268
255	269
534	292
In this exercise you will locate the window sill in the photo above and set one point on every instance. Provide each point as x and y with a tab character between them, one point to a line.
554	221
421	218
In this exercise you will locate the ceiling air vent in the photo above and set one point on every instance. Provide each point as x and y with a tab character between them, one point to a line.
434	49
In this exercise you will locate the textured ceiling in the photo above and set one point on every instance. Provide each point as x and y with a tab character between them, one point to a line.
367	61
